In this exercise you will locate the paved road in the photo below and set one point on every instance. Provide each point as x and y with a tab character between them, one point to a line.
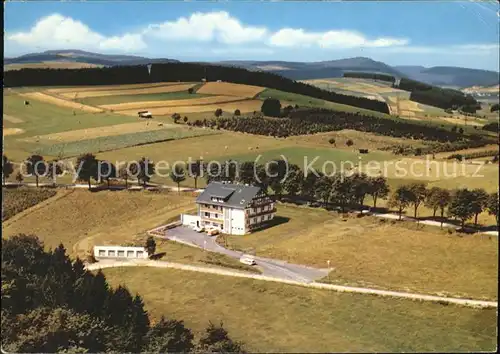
269	267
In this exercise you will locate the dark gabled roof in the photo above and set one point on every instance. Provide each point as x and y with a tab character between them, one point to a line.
234	195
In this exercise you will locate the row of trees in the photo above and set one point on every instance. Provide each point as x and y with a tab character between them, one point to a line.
51	304
439	97
351	190
370	76
461	204
168	72
311	121
282	178
446	99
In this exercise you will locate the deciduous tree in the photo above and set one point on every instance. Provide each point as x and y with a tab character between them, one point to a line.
323	189
418	194
169	336
271	107
36	166
143	170
492	205
19	178
401	198
215	339
86	168
461	205
177	176
479	202
378	188
54	170
438	198
294	180
106	171
247	173
150	245
195	170
124	173
7	168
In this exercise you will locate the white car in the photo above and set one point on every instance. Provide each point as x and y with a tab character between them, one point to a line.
247	259
198	229
212	232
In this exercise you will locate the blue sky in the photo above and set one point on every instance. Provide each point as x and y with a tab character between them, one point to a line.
399	33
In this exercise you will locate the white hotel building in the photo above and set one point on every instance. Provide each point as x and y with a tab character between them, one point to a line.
234	209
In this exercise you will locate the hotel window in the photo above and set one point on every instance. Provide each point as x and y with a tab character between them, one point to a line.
111	253
139	254
102	253
130	253
207	214
121	253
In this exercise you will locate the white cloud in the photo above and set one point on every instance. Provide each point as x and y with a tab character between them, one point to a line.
289	37
59	32
212	26
460	49
208	34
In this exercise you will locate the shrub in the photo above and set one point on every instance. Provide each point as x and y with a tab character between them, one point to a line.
218	112
237	112
458	157
271	107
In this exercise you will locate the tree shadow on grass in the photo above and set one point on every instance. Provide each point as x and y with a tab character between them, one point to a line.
277	220
157	256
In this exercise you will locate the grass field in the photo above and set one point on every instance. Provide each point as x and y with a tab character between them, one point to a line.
369	252
81	219
118	92
226	88
67	89
41	118
43	97
110	130
104	101
270	317
190	102
324	159
242	105
18	200
116	142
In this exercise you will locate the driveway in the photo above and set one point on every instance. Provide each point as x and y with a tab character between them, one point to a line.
269	267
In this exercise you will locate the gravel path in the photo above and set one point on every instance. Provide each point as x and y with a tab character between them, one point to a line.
338	288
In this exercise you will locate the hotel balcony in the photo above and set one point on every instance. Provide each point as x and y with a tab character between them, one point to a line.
261	202
261	212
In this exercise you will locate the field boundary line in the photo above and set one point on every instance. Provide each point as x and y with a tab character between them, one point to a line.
338	288
179	105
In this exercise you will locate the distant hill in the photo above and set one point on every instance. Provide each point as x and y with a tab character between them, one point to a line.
316	70
81	56
440	76
451	76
